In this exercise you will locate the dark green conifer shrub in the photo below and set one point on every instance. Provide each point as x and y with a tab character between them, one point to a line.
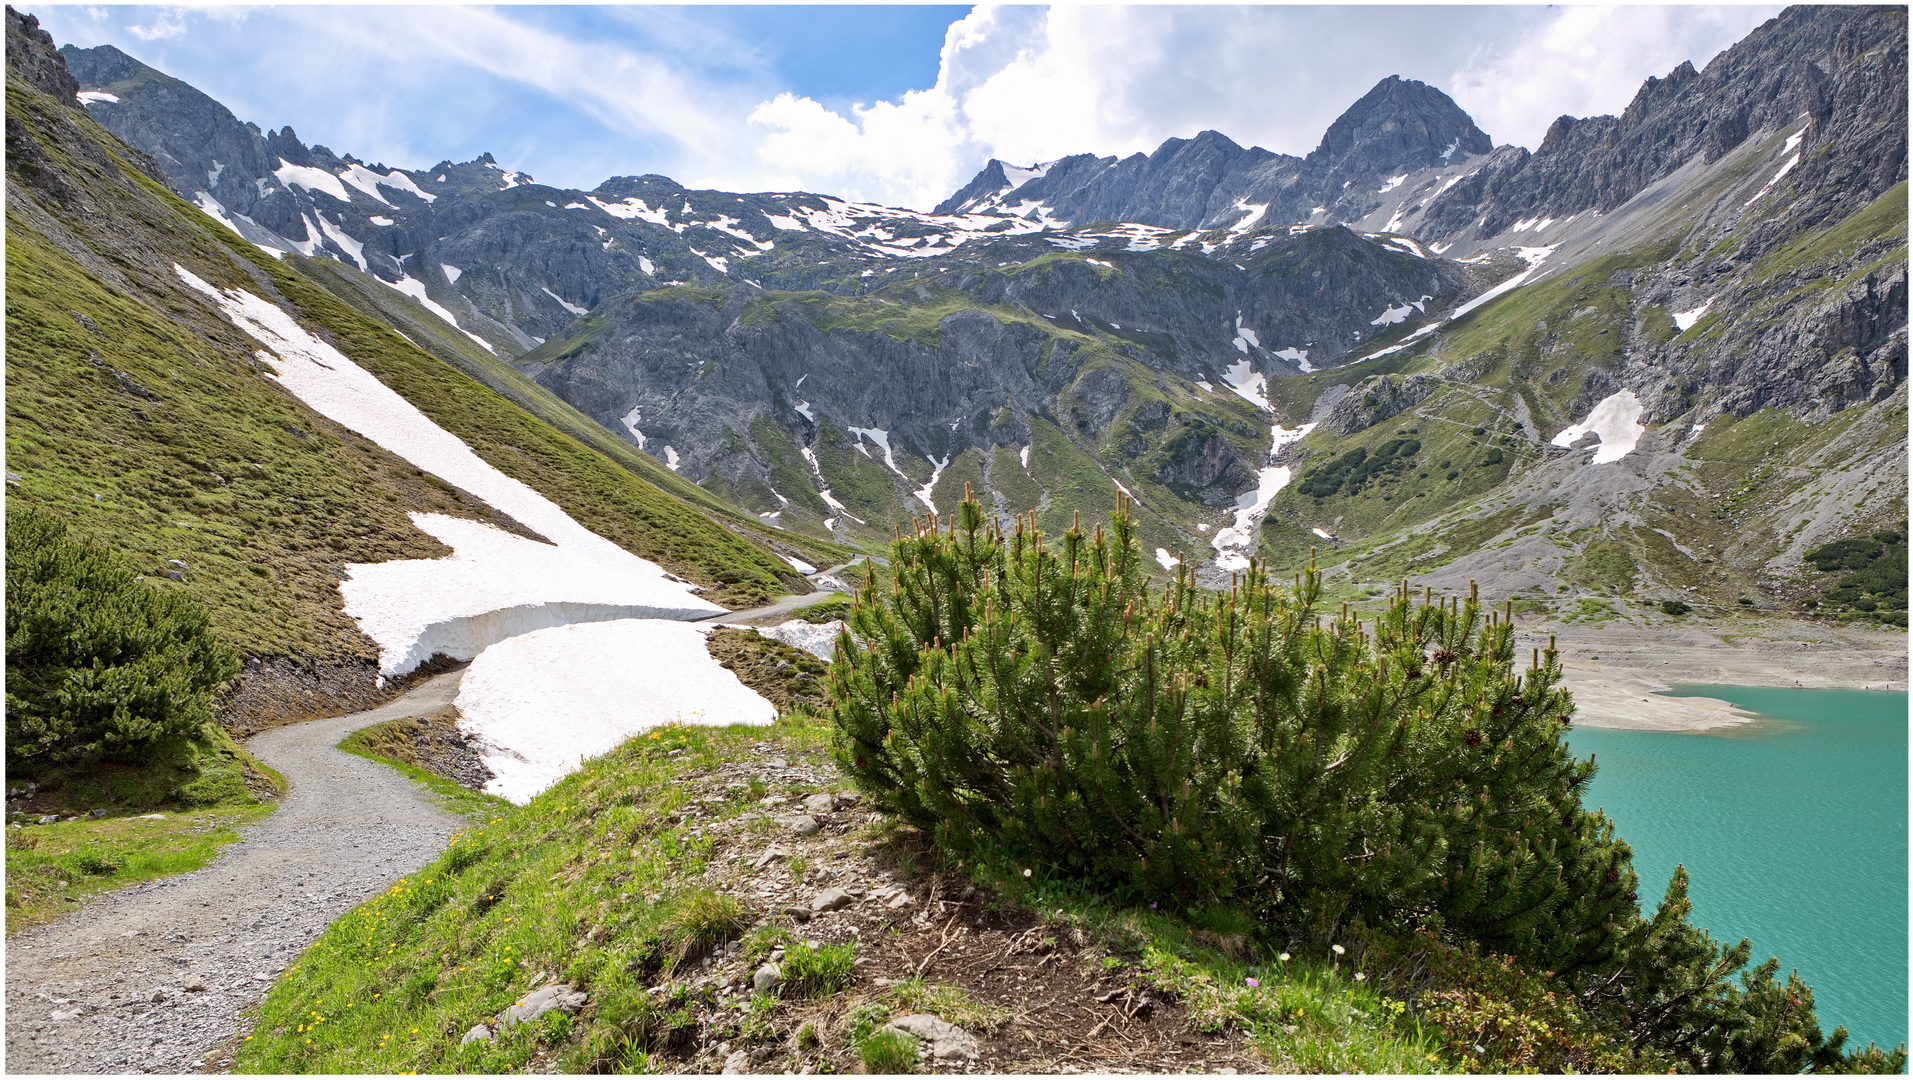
1873	575
98	664
1039	701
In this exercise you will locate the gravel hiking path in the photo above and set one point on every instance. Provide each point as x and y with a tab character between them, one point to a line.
109	989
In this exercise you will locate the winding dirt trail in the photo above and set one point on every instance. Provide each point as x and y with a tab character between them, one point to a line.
105	989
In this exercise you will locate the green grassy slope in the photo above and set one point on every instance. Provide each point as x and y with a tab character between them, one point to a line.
624	878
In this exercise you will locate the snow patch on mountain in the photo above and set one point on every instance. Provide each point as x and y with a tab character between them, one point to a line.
1616	420
1685	320
1392	315
929	488
1777	177
632	209
566	304
353	249
882	439
415	289
1300	357
1251	385
311	179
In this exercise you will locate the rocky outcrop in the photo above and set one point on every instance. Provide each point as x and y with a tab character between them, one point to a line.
30	54
1834	72
1372	401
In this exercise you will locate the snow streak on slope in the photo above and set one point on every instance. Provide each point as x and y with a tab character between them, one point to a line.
415	289
1235	544
1685	320
495	584
544	701
311	179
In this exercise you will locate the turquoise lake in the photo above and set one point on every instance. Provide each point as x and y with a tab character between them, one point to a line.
1793	830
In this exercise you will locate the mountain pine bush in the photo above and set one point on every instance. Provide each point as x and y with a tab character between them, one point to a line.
99	665
1038	700
1039	703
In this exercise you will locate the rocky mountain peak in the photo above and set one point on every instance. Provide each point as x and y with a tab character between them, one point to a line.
988	183
1656	92
30	52
1399	126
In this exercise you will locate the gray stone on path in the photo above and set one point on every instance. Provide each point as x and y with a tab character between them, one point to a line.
737	1062
478	1033
821	803
541	1001
801	824
766	978
831	900
941	1039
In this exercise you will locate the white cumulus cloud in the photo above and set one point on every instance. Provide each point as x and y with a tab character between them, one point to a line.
1028	84
1586	61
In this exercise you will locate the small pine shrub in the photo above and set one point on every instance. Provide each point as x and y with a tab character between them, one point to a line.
98	663
1035	703
1872	573
1675	607
1038	701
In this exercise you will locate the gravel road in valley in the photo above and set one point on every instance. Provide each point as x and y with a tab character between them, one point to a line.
109	989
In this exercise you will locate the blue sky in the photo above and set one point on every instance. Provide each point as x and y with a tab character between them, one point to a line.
898	105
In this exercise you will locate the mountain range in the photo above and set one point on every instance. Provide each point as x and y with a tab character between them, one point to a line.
1660	357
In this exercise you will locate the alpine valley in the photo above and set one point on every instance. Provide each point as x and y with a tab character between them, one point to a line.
484	459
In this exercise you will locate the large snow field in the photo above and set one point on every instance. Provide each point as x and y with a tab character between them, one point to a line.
495	583
542	702
1616	420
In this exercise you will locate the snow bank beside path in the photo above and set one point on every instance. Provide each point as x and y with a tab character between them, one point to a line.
817	639
542	702
414	607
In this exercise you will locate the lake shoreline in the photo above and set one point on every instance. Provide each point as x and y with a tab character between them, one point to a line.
1620	674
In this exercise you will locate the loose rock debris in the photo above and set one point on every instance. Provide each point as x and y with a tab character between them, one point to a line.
984	987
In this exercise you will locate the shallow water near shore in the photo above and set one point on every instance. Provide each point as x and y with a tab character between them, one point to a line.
1793	830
